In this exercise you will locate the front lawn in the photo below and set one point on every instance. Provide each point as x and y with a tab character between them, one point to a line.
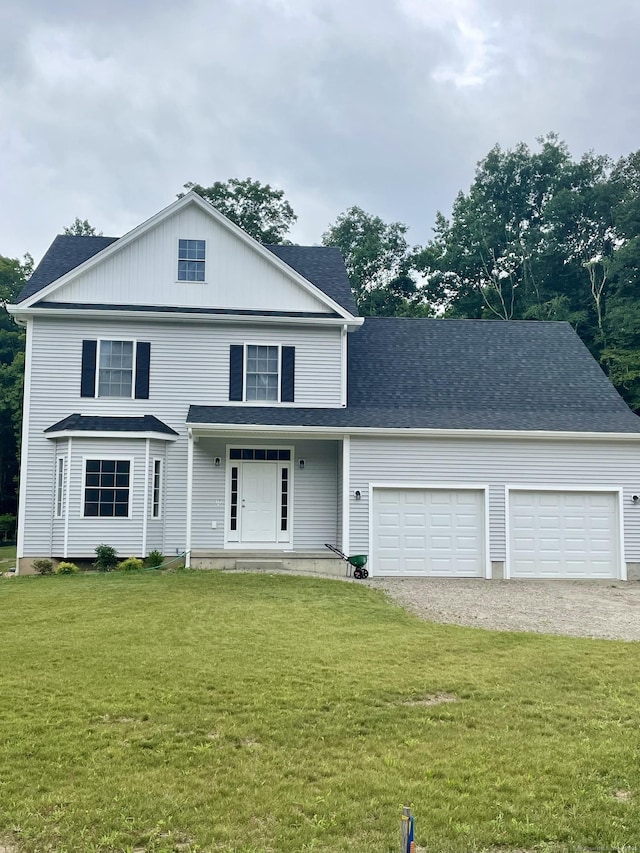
236	712
7	557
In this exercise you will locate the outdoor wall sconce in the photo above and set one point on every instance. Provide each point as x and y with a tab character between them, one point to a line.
358	494
301	464
216	461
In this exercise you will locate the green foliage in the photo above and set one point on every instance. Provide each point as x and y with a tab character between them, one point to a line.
259	209
66	568
131	564
204	711
13	275
106	558
379	263
8	526
43	566
82	228
154	559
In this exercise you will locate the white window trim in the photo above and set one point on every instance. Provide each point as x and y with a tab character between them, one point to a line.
134	365
245	357
182	281
60	492
232	539
160	462
107	457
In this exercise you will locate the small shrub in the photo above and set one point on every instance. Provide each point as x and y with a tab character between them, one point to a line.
154	559
66	568
131	564
106	558
43	566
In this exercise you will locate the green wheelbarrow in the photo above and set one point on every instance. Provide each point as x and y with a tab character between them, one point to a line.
358	561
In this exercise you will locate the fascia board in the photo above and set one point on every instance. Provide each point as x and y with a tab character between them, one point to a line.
85	433
190	198
19	311
373	432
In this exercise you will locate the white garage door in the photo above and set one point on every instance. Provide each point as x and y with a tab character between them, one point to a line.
432	532
563	535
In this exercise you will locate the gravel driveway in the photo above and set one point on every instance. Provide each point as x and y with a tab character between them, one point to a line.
606	609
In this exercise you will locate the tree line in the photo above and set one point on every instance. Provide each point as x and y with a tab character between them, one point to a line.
539	235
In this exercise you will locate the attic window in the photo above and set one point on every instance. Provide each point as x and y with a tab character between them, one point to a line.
191	260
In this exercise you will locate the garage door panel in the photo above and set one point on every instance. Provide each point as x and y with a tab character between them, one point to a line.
437	532
559	534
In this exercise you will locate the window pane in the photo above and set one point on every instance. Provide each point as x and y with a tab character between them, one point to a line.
115	374
100	497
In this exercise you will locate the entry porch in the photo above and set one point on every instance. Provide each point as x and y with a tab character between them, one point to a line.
269	502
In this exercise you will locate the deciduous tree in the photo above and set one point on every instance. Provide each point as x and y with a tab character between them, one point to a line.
259	209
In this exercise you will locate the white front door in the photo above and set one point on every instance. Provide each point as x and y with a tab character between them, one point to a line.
259	502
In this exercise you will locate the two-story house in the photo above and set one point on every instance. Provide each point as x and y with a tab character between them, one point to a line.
190	390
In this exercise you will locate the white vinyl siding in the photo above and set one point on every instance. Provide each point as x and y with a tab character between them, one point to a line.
313	510
188	369
556	534
145	272
498	463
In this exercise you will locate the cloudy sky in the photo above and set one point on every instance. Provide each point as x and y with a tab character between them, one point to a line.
106	110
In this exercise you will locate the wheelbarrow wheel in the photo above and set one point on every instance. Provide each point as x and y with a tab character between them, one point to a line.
364	574
357	573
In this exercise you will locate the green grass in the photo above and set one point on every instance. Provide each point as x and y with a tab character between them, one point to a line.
7	557
206	711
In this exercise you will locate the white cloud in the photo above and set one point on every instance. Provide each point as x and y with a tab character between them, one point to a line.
107	110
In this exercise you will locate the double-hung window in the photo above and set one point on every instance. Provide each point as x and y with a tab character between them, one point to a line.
107	488
191	260
263	372
115	369
60	472
156	493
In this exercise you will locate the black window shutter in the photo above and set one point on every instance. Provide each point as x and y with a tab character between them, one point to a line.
88	377
236	368
287	383
143	360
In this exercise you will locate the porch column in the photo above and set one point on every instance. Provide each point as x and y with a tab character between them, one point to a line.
145	502
187	547
346	488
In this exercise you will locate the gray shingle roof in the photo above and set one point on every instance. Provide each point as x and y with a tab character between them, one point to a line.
321	265
460	374
98	423
65	253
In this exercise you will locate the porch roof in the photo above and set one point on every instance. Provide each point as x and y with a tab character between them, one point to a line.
458	375
111	424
